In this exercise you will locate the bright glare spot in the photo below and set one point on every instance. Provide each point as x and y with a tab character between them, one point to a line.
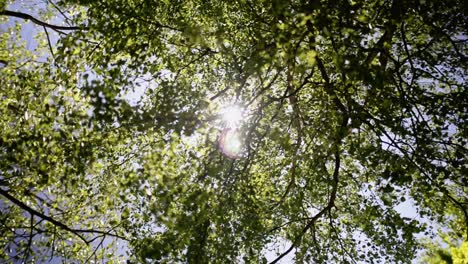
230	143
232	115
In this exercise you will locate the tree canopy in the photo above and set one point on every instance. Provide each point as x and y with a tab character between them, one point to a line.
111	130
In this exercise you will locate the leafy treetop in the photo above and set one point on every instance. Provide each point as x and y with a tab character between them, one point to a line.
352	109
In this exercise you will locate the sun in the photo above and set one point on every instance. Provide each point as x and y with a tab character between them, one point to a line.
232	115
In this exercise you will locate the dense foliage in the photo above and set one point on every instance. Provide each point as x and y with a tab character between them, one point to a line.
435	254
352	109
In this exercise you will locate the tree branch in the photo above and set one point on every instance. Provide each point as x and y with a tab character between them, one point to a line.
329	89
60	11
39	22
48	42
41	215
312	221
31	234
341	134
407	154
77	232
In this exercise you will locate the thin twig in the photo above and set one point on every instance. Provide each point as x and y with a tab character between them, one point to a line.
60	11
48	42
28	247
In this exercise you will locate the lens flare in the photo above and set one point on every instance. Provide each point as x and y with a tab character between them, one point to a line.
230	143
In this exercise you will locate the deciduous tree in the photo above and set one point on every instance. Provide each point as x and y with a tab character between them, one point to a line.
350	109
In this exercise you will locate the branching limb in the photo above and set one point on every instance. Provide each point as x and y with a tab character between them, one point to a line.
378	128
266	88
290	93
38	22
340	240
60	11
96	249
314	219
288	223
77	232
49	42
337	153
53	244
31	234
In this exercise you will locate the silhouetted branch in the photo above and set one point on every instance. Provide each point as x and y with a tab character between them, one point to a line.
312	221
60	11
48	42
77	232
38	22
